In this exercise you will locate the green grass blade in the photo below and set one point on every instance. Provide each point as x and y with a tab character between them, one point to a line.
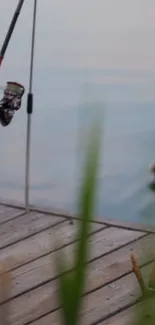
86	207
145	313
71	285
65	287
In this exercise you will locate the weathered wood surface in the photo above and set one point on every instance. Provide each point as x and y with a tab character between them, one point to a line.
97	306
51	319
8	213
109	299
126	317
40	244
140	313
28	249
43	269
25	226
61	213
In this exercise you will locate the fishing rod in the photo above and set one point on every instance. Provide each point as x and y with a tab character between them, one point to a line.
29	111
30	94
10	30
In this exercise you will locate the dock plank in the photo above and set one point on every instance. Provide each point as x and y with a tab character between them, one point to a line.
100	271
108	300
51	319
97	306
7	213
117	264
126	317
43	299
28	245
132	315
25	226
40	244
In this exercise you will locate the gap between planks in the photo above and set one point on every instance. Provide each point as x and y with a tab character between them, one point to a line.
25	226
39	244
130	316
8	214
99	306
113	266
125	317
71	216
45	292
42	270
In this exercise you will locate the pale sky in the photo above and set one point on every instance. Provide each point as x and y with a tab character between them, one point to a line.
84	33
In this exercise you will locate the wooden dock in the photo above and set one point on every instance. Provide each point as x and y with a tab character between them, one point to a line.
27	249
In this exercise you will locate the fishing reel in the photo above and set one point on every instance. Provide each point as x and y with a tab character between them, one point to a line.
11	101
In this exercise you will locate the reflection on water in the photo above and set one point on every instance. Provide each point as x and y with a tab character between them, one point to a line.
57	120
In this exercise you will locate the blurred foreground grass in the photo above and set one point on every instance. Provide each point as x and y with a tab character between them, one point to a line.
71	285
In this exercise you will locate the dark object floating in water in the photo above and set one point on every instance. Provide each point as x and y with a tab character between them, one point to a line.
152	169
152	186
10	102
152	183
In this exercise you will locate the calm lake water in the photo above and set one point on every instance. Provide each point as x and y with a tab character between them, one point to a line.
66	94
